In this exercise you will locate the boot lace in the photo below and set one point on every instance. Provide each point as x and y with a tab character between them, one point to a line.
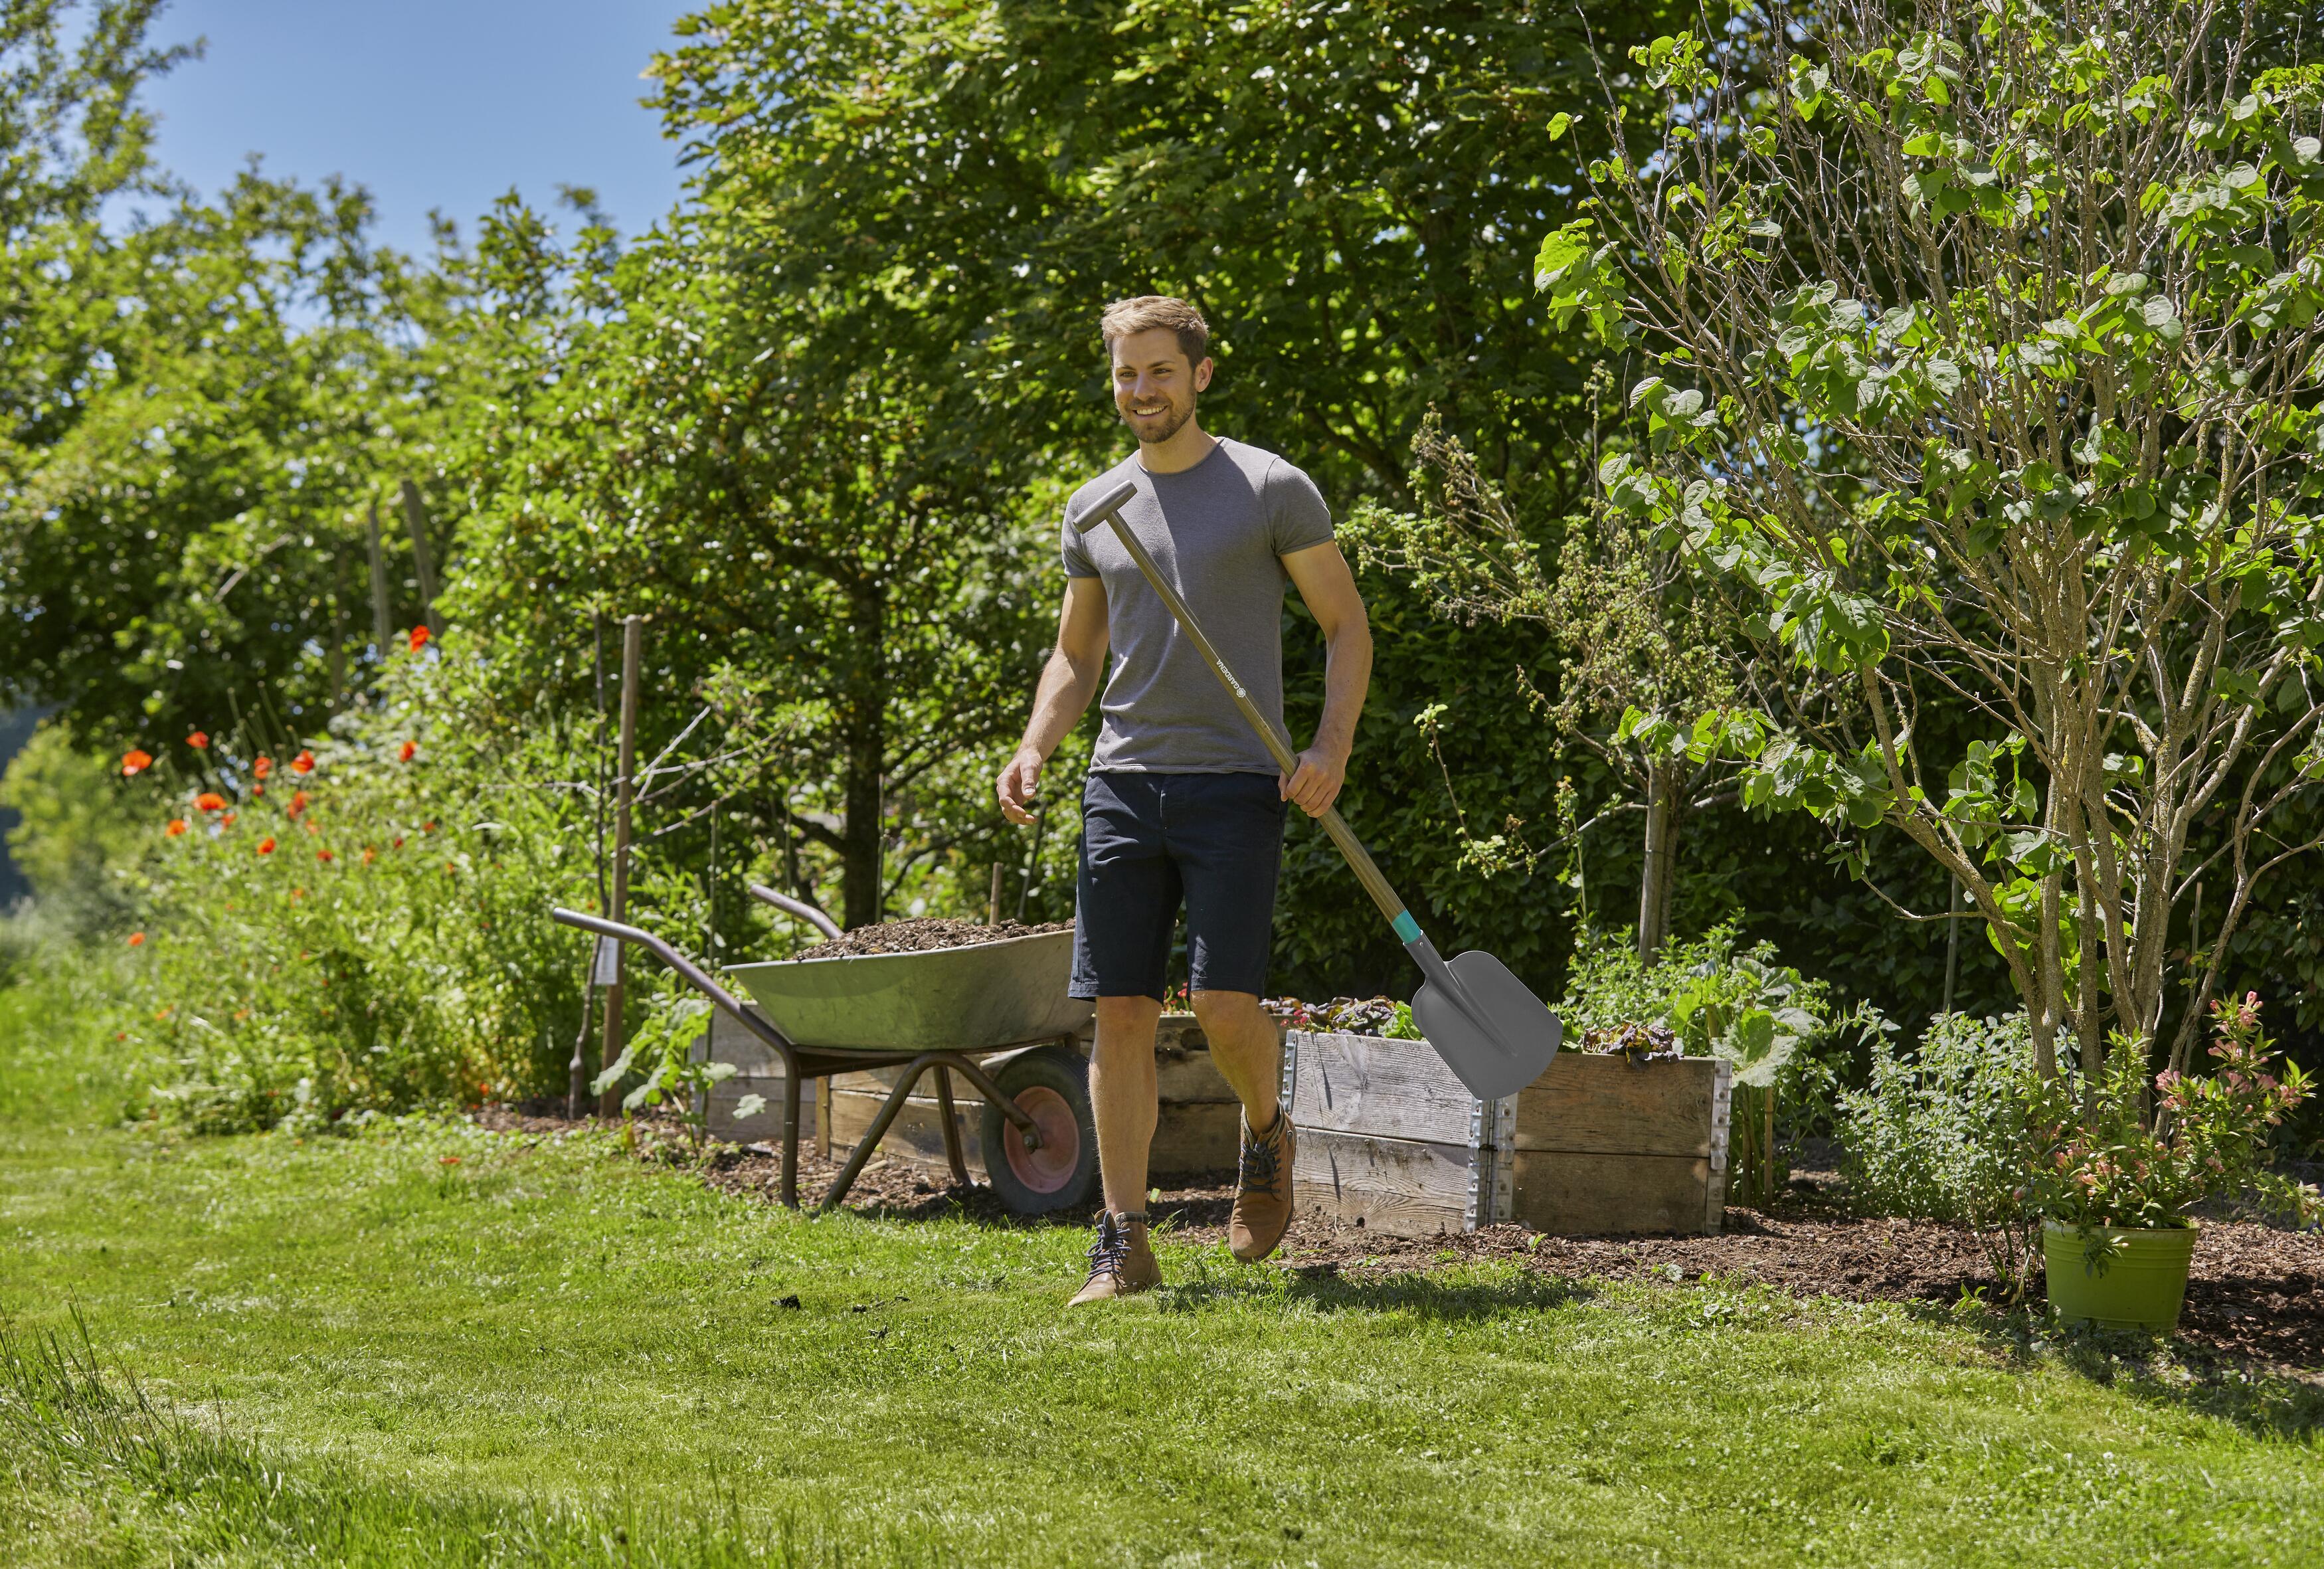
1110	1254
1261	1167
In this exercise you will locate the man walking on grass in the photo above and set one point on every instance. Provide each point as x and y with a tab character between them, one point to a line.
1183	801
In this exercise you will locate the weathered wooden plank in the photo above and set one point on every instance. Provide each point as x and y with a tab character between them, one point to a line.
1608	1106
1404	1187
1187	1137
1194	1136
730	1042
766	1127
917	1135
1572	1195
1186	1076
1361	1083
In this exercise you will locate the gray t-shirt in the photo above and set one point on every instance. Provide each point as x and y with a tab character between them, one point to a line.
1215	529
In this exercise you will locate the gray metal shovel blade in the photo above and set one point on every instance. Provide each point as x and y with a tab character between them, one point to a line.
1494	1034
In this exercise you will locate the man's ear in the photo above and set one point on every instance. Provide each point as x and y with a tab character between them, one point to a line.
1202	376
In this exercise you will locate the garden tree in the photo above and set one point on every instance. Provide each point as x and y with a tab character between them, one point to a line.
1626	640
190	544
72	138
1987	353
774	461
193	405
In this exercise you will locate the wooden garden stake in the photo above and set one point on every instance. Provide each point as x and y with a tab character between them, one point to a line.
624	788
379	616
992	906
423	561
1953	940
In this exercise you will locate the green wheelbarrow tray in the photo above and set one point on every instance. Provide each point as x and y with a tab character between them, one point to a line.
982	998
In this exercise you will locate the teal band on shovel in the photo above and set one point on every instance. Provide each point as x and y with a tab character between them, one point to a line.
1494	1034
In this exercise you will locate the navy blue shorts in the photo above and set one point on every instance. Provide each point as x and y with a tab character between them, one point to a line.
1150	840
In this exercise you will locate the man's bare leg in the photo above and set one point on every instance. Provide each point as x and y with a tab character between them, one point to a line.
1247	1053
1123	1096
1245	1048
1123	1102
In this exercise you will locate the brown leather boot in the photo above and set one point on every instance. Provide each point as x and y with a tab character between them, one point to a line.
1121	1264
1262	1205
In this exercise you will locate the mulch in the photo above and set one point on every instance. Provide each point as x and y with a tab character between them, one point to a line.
921	937
2254	1296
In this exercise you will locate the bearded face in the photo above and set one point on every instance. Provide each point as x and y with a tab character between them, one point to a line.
1154	388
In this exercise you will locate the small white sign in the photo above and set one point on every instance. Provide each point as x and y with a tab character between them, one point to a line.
609	961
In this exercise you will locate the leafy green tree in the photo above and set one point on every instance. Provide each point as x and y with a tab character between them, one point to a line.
1986	355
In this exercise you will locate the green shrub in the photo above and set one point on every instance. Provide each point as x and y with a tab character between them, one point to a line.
361	924
1949	1133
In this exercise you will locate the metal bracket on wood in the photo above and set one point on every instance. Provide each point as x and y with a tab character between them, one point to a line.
1722	1103
1492	1160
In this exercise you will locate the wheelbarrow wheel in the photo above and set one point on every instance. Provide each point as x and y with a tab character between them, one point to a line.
1051	1084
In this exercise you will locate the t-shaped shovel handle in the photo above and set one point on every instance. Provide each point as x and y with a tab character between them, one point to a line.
1278	745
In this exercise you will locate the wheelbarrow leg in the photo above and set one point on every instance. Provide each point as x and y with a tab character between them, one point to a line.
790	1136
877	1132
951	1127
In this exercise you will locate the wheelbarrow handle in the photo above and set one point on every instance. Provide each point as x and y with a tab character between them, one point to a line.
692	974
798	907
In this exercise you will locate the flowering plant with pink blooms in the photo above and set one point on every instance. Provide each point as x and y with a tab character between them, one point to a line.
2115	1159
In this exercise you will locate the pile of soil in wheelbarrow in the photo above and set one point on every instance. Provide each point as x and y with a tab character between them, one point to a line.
921	937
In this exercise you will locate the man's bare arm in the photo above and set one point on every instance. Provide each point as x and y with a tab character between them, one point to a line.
1068	682
1321	575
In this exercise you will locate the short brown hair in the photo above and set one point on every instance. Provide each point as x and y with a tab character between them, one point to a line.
1148	312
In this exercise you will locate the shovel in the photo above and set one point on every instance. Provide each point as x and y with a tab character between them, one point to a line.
1494	1034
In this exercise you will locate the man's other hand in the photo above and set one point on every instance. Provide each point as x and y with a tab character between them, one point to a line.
1315	784
1017	782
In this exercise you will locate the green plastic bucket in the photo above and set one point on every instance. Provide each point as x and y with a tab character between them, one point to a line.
2142	1284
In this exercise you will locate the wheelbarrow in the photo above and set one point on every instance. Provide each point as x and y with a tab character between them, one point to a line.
938	1011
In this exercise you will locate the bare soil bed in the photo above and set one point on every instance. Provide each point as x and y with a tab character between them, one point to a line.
2255	1294
921	937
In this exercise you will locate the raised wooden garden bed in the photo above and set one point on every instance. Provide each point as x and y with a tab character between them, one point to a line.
758	1071
1390	1141
1196	1130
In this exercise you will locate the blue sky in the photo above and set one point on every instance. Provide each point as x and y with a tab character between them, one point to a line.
427	102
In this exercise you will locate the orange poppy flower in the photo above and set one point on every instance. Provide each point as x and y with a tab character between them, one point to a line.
266	845
198	741
418	638
134	762
405	755
177	827
137	939
303	763
226	821
323	855
263	767
298	802
209	802
370	854
448	1160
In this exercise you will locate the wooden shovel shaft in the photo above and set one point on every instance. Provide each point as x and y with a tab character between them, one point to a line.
1278	744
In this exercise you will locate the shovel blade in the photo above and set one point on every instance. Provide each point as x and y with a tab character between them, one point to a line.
1494	1034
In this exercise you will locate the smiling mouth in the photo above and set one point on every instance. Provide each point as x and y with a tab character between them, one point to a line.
1148	412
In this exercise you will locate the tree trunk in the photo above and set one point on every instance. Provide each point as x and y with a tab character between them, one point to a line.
1654	883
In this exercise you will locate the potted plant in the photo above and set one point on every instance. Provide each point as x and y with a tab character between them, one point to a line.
2123	1175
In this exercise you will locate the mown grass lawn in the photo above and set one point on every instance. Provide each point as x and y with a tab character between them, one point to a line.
548	1352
